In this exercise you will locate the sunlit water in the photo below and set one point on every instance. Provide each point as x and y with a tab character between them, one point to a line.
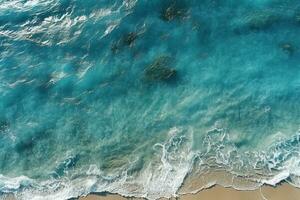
132	96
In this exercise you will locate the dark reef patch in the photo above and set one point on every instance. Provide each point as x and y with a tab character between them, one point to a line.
28	143
174	10
288	48
25	145
160	70
261	20
126	40
4	125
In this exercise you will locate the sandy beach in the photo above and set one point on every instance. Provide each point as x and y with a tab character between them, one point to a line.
281	192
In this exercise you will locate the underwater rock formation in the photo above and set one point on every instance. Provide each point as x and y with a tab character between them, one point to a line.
256	21
173	11
160	70
3	125
262	20
288	48
127	39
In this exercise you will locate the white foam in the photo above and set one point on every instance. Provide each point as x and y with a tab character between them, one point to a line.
162	177
12	184
277	178
157	180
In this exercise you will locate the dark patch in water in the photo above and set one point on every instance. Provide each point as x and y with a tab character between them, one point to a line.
4	124
43	88
262	21
257	21
288	48
129	38
174	10
115	47
67	164
160	70
27	144
241	143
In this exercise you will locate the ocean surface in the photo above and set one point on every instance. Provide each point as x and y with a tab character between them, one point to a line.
134	96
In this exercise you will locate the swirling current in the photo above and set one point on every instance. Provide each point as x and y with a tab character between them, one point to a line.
139	97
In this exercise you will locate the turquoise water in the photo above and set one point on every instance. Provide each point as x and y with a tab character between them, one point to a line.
131	96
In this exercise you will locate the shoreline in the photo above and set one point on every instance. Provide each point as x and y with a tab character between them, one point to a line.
282	191
212	185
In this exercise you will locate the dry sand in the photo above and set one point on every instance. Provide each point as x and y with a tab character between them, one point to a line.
282	192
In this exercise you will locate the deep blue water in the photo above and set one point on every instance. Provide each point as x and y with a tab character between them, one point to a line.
132	96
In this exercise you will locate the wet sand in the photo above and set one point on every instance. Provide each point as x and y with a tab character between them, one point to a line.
281	192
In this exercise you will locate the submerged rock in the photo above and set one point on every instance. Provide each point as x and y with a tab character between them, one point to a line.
3	125
262	20
129	38
287	48
256	21
30	140
173	11
160	70
115	47
25	145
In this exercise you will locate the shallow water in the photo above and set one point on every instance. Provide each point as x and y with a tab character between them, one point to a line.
134	96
